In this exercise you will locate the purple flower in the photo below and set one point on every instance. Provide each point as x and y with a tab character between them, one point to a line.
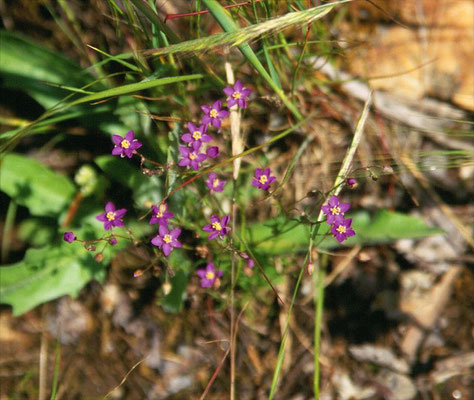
161	215
237	95
214	114
166	240
208	275
196	134
212	152
215	184
69	237
125	146
217	227
334	209
262	179
111	217
191	156
342	229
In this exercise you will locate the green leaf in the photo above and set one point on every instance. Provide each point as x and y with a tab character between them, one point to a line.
28	66
33	185
46	274
173	301
144	188
282	235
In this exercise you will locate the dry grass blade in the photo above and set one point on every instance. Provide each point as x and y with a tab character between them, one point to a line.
249	33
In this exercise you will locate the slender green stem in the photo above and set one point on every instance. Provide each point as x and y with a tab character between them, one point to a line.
318	279
225	20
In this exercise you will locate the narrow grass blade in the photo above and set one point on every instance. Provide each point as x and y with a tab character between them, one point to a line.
56	372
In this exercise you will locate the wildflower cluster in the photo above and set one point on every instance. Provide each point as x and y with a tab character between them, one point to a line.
340	226
194	151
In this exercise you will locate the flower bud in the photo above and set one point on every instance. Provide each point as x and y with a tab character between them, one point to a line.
212	152
99	257
352	183
90	247
166	288
138	273
112	241
310	268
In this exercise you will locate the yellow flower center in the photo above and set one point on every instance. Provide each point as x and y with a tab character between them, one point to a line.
236	95
335	210
167	239
125	144
192	156
196	135
215	183
263	179
210	275
341	229
213	113
110	215
217	226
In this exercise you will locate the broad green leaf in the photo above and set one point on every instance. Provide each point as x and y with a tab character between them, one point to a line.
282	235
144	188
28	66
57	269
46	274
33	185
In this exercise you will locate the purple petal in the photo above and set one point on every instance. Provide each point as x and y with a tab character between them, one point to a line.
205	109
213	235
116	151
117	139
217	105
326	209
333	201
206	119
176	243
245	92
108	225
118	223
187	138
157	241
216	122
101	217
231	102
166	248
130	136
206	138
238	86
136	145
192	127
258	173
184	151
223	114
201	273
228	91
175	233
109	207
163	230
208	228
344	207
120	213
225	220
196	146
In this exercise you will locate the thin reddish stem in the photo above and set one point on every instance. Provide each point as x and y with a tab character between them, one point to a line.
191	14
